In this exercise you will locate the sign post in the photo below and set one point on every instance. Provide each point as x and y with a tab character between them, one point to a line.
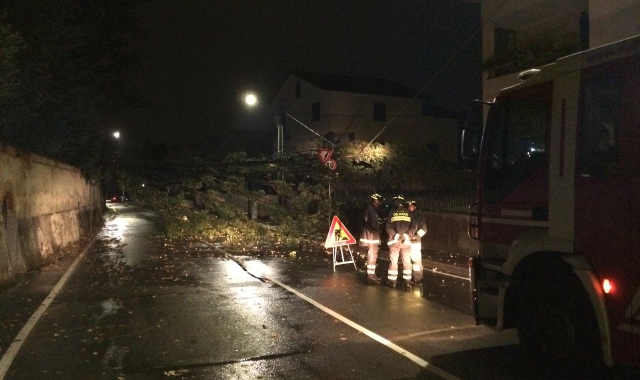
337	238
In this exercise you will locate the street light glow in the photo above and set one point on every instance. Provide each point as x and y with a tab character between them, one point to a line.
116	134
251	100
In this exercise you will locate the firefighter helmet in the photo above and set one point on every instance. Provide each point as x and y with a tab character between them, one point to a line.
376	197
398	200
411	202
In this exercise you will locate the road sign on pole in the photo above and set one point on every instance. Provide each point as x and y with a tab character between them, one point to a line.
324	155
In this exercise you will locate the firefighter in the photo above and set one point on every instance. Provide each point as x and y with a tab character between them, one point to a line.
399	231
419	225
370	237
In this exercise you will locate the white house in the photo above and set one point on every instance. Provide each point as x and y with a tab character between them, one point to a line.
343	108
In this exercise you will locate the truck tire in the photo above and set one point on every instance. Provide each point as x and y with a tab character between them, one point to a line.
557	324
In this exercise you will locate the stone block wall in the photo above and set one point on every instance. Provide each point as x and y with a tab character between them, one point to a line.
46	205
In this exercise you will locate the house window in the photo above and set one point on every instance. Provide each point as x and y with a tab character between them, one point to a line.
315	112
379	112
298	90
505	41
433	148
584	30
352	136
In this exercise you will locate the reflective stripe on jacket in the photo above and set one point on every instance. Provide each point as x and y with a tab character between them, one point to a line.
399	222
418	226
371	230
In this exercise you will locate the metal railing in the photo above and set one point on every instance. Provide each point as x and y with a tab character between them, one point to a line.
450	191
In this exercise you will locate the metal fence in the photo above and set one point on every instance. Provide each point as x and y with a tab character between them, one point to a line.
450	191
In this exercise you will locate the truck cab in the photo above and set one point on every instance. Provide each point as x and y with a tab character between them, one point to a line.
557	212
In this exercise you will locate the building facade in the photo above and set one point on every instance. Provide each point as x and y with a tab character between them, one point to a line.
523	34
318	110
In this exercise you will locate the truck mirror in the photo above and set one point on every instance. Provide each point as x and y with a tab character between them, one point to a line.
470	144
470	151
475	116
471	136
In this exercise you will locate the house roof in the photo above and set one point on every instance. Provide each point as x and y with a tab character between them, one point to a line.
356	84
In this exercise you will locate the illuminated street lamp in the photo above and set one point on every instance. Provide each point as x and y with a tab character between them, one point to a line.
116	134
250	99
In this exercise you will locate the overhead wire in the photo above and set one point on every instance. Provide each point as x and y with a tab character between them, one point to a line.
312	131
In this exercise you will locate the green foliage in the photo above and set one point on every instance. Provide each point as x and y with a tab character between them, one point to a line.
196	201
171	189
388	166
306	211
215	220
300	205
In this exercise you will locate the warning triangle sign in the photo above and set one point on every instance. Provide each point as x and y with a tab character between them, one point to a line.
338	235
324	154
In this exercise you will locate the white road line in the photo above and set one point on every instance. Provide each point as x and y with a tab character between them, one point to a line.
437	331
13	349
448	274
414	358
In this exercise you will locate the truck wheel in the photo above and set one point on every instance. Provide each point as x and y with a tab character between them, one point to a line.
557	324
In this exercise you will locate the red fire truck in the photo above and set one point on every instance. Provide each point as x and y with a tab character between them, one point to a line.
557	214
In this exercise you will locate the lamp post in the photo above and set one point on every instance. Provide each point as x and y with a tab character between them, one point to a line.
117	145
251	100
280	136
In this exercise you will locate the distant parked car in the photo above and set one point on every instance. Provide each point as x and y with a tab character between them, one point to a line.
117	199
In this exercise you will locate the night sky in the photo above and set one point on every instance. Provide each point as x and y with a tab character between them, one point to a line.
198	57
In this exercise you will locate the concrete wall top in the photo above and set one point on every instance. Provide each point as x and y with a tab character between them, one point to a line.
41	186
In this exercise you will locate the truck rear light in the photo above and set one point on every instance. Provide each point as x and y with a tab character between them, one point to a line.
607	286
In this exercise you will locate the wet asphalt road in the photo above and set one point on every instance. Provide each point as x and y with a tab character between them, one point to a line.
138	307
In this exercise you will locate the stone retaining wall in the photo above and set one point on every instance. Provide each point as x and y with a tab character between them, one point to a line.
46	205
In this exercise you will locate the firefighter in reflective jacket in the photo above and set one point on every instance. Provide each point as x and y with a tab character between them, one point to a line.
419	225
370	237
399	230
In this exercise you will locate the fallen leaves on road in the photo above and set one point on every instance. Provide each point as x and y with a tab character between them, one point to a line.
176	373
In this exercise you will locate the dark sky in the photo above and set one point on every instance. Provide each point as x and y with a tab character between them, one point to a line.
199	56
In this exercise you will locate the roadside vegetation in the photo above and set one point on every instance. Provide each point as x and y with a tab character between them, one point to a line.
287	199
196	201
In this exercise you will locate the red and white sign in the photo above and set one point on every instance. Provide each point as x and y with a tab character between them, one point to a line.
338	235
325	157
